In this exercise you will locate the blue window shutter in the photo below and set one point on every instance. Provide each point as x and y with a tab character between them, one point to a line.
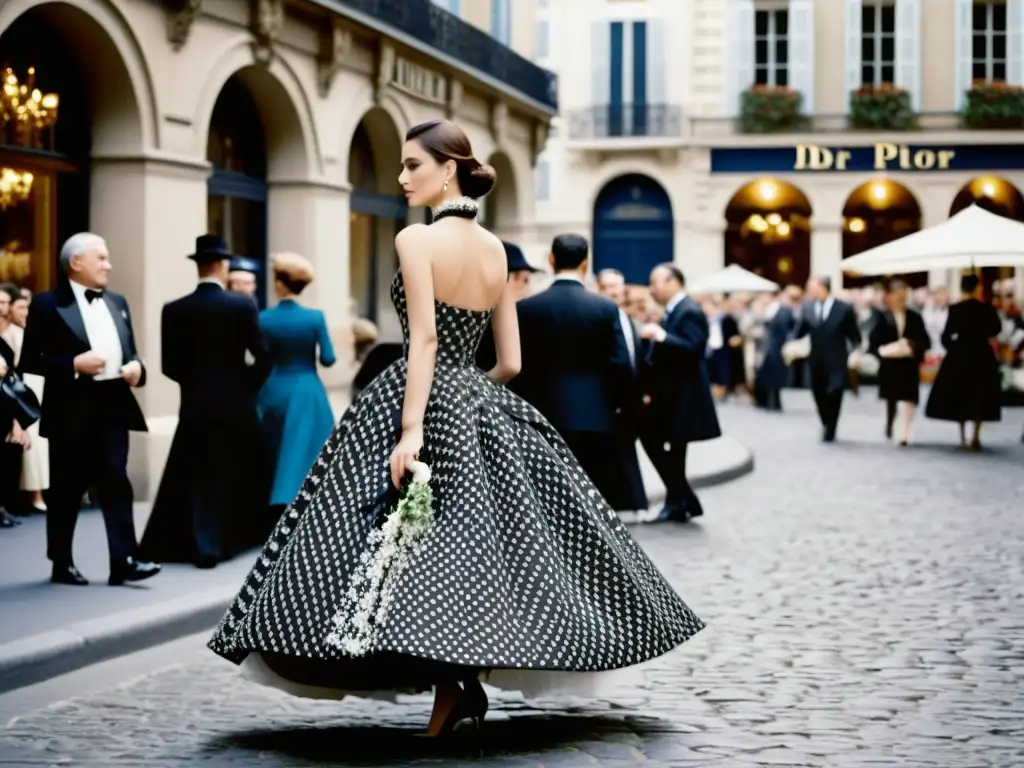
639	62
615	86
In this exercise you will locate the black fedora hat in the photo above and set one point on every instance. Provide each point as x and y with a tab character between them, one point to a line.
516	261
211	248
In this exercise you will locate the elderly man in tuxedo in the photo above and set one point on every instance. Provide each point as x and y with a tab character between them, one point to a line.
612	285
833	328
80	339
680	409
575	367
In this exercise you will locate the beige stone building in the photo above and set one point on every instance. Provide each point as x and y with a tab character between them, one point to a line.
276	123
783	135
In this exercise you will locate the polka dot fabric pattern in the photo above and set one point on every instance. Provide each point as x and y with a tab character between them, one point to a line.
525	568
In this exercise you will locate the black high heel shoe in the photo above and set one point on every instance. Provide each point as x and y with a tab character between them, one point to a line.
472	705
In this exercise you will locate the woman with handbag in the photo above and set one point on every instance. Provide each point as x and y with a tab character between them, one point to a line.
899	340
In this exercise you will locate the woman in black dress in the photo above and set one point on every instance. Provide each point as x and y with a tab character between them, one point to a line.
525	578
967	386
899	376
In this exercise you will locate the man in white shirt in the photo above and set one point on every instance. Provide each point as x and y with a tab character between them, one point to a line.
79	338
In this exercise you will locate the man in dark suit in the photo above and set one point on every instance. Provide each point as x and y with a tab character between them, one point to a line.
680	410
520	272
80	339
575	365
612	285
214	495
832	326
242	276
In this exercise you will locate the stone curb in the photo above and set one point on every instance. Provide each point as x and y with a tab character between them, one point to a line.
46	655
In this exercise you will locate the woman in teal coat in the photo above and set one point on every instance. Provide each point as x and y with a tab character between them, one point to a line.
294	411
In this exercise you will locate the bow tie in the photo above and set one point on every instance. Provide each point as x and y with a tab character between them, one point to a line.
91	295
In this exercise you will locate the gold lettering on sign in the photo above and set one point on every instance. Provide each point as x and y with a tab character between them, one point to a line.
887	157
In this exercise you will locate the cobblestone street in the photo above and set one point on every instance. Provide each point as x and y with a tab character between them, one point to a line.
865	607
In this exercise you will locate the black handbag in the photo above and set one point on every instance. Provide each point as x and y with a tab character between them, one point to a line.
17	400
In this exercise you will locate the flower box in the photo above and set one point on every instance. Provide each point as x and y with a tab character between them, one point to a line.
885	108
994	106
765	109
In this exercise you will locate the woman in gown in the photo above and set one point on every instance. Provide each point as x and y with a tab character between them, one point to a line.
526	573
967	386
295	414
899	377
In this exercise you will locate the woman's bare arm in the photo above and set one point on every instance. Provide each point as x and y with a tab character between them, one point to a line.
417	275
505	327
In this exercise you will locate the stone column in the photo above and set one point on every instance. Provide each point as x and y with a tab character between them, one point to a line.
312	218
827	249
150	210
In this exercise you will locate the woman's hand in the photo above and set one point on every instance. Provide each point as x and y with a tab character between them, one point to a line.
405	453
20	436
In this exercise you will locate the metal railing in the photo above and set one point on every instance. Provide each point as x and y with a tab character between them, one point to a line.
608	121
715	127
428	23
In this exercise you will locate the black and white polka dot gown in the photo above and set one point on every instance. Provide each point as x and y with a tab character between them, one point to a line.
526	571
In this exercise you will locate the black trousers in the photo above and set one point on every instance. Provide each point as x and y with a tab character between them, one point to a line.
10	474
669	459
598	453
97	456
828	402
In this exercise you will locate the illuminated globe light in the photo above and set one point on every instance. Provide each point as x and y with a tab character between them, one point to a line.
856	225
774	219
880	191
768	190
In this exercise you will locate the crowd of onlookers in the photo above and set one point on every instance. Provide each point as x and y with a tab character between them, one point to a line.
738	322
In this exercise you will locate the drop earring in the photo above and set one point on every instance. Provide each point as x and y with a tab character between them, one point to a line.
446	185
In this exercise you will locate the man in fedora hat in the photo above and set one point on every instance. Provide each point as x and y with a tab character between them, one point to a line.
242	276
520	271
214	493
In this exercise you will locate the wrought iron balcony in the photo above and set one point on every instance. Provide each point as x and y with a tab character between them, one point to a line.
611	121
467	46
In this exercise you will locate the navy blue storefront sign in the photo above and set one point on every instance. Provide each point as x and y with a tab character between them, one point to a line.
882	156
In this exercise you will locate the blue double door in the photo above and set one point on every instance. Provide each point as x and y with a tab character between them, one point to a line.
633	227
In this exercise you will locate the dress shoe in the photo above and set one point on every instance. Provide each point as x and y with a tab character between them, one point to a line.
68	574
130	569
7	521
205	561
671	514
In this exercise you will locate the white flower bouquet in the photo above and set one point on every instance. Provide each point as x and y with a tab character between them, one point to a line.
388	551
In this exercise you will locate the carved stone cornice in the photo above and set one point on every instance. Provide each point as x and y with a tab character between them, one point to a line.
385	71
456	94
540	137
266	21
499	122
180	15
335	46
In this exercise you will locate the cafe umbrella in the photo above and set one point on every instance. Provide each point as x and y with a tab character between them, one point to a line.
972	239
732	279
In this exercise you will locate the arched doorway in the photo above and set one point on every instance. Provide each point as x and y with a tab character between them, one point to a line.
85	98
768	231
633	227
878	212
237	188
500	209
997	196
377	211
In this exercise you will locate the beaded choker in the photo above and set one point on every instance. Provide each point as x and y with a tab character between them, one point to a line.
462	207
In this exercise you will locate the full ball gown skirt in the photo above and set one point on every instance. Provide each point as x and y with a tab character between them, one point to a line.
526	573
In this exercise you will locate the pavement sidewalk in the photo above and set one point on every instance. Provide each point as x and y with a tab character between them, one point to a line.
47	629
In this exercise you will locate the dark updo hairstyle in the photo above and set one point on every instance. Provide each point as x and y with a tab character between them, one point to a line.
969	284
443	140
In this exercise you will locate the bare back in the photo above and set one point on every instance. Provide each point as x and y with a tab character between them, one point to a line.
469	265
